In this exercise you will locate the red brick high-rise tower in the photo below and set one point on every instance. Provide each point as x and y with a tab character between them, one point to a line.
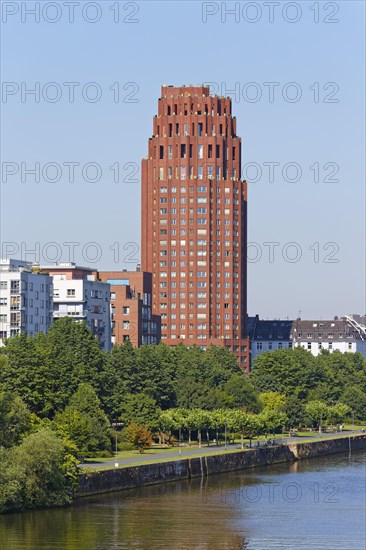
194	221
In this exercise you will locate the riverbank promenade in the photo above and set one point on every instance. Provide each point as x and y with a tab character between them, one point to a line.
157	454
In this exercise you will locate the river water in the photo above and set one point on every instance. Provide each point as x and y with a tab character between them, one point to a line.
311	504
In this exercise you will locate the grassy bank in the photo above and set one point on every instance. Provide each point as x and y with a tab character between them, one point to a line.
153	455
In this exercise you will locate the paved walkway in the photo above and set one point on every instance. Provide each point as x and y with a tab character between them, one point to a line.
186	452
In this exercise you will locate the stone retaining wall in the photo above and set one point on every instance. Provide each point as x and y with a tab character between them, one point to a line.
148	474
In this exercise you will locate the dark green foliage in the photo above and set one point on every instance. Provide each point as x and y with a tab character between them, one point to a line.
46	370
287	371
84	422
295	412
140	409
39	472
15	419
187	377
296	372
355	398
242	391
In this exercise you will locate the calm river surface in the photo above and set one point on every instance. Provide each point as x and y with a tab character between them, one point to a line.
318	503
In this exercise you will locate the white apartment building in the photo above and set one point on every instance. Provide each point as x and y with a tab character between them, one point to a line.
77	293
345	335
25	300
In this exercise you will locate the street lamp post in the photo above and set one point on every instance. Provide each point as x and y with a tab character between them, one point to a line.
116	424
320	425
225	436
116	443
180	431
353	420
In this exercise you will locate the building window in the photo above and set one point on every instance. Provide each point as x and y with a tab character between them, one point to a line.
70	292
183	172
259	345
126	310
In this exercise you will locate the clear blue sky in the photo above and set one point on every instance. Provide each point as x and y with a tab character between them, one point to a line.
171	44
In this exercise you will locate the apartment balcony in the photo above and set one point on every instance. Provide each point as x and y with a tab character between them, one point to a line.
78	314
68	299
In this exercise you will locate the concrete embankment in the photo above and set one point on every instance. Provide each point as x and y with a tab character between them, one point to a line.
105	481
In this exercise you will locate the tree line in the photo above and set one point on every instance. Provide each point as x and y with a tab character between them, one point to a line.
60	394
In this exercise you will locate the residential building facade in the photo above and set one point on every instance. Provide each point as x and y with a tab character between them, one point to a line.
268	335
344	334
194	221
131	307
25	300
77	293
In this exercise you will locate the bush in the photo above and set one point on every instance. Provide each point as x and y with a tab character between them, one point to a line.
139	436
41	472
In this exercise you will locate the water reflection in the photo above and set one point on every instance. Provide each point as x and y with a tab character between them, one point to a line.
310	504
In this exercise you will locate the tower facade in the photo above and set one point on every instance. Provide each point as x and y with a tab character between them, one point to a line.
194	221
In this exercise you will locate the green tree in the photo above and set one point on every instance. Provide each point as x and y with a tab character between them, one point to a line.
295	412
191	392
15	419
45	370
156	365
355	398
338	413
218	419
273	421
140	409
172	419
198	420
272	401
25	369
216	398
40	472
290	372
317	412
242	392
247	424
84	422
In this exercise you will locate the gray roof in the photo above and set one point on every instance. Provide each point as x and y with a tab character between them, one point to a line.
303	330
269	330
